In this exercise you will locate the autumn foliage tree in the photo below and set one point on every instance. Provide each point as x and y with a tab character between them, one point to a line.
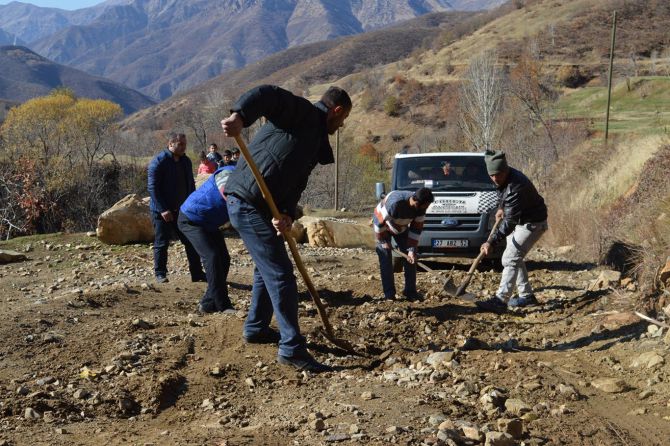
52	175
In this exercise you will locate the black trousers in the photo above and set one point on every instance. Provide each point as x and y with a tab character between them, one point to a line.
211	246
163	233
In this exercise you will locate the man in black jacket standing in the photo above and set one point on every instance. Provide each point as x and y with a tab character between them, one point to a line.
286	150
170	181
524	220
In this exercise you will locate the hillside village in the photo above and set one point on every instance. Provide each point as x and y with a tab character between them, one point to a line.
97	352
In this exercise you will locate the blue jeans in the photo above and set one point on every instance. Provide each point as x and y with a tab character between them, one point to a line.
386	268
163	233
211	246
274	287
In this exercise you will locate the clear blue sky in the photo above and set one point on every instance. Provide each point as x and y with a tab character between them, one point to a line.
62	4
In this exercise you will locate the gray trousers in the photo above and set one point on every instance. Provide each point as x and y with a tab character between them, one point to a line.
519	243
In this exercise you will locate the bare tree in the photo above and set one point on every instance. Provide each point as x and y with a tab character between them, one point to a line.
527	86
480	101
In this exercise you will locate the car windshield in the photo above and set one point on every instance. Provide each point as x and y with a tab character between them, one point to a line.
443	173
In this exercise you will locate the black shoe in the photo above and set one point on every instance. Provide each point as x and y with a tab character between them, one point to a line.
199	278
525	301
494	305
161	279
304	361
204	309
415	296
266	336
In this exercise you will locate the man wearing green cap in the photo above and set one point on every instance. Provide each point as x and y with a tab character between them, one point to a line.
524	220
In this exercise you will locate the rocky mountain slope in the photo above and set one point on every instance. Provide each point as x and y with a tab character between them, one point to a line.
26	75
310	64
9	38
162	47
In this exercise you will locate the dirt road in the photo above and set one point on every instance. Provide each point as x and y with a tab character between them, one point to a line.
94	352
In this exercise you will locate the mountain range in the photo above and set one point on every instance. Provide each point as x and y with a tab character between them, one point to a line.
26	75
163	46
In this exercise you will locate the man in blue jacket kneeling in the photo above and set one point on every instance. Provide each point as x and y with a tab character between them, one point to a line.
200	217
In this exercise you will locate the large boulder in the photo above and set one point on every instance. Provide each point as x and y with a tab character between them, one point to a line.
330	233
129	220
9	256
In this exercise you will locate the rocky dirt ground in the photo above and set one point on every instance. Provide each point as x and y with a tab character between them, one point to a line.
94	352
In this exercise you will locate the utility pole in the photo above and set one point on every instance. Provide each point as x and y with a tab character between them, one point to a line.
609	80
337	169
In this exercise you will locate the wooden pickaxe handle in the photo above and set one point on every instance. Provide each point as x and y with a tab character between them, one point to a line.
406	257
293	247
478	259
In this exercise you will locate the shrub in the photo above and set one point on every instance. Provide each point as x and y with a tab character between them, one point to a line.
392	106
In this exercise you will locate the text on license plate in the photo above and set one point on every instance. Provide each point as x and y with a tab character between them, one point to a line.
450	243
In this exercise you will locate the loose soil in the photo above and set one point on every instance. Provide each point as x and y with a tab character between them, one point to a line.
103	355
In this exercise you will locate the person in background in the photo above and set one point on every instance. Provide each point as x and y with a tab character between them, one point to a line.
170	181
227	158
399	216
206	166
214	155
236	155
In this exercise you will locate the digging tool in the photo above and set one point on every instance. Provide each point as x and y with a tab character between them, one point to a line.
459	291
448	283
341	343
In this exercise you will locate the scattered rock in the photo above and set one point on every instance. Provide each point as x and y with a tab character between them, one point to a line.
648	360
472	432
645	394
317	425
607	279
367	396
46	380
31	414
439	358
567	390
610	385
516	407
664	273
141	324
8	256
513	427
637	411
81	394
499	439
436	419
337	437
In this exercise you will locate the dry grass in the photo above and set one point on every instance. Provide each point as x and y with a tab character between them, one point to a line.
618	173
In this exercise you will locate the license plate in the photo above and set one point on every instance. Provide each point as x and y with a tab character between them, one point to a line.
447	209
450	243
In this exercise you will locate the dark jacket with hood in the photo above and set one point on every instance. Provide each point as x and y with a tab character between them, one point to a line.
521	204
286	149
